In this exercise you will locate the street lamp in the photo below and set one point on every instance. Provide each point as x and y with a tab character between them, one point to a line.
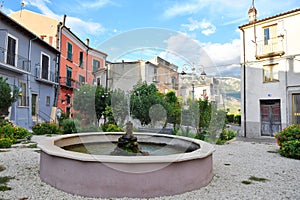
193	68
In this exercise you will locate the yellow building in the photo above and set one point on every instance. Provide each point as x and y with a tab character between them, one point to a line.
43	26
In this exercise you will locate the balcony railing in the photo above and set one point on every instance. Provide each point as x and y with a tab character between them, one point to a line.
271	47
14	61
44	76
69	82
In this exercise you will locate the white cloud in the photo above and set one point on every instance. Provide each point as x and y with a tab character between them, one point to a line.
82	27
215	7
224	54
94	4
77	25
206	27
234	10
215	57
183	8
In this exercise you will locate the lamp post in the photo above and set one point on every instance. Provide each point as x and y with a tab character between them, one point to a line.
193	68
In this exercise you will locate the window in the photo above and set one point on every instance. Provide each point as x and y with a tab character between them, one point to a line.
96	65
81	59
155	78
68	98
69	76
81	79
270	33
22	94
11	51
98	81
266	36
47	100
45	66
296	108
270	73
167	78
34	104
69	51
173	82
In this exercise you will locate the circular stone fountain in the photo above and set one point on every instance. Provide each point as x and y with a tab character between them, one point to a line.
110	176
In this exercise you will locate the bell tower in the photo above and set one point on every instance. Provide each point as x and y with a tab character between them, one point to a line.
252	13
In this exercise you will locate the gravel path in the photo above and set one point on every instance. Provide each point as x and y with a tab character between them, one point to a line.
233	163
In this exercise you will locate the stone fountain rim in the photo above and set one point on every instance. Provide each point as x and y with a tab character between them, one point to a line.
48	146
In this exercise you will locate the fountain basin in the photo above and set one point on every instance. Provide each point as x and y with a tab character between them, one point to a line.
110	176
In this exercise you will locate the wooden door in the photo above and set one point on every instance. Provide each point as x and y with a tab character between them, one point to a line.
270	117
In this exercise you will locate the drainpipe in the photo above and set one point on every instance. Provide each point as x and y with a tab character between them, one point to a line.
57	64
87	59
244	83
28	83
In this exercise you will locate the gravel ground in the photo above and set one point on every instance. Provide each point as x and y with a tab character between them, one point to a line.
233	163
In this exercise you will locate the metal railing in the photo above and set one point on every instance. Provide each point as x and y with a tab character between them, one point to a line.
69	82
50	76
14	60
272	46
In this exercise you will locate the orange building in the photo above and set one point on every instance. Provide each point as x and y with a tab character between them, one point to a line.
77	64
78	60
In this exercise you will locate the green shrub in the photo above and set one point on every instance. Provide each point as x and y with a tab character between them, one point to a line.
5	143
202	136
230	118
237	119
68	126
45	129
289	141
7	131
21	133
4	122
226	135
89	128
111	128
290	149
291	132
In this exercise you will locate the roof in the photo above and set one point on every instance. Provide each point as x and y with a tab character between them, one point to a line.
272	17
6	19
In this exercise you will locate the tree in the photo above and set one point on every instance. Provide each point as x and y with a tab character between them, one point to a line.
142	98
84	102
173	108
120	105
102	100
7	97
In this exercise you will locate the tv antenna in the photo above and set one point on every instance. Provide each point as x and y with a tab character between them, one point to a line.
1	5
22	6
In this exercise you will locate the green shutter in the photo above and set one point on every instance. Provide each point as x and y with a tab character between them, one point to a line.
70	50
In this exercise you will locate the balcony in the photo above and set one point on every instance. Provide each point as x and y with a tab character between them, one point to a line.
270	48
14	62
69	83
48	78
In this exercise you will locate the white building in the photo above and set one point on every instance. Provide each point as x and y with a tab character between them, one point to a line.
270	73
125	74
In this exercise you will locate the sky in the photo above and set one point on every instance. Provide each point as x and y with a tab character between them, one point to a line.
202	33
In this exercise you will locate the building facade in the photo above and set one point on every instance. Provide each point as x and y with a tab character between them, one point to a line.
77	64
31	65
167	77
44	27
270	73
125	74
78	60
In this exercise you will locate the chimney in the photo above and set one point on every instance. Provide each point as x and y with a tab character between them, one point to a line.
87	42
64	20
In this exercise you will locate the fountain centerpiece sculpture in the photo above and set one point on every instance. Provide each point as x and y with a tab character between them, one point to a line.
127	144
